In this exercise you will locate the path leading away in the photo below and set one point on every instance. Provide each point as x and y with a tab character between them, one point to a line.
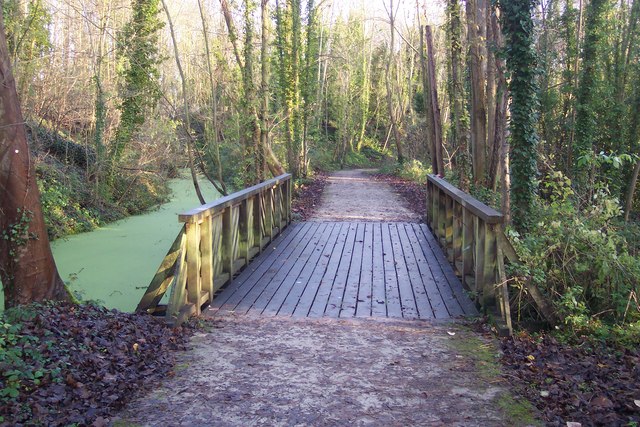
326	328
352	195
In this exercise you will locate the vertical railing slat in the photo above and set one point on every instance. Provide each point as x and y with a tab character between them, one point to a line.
194	283
206	250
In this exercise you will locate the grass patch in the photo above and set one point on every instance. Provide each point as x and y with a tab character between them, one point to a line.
485	357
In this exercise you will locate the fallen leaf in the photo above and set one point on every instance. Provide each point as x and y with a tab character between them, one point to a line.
602	402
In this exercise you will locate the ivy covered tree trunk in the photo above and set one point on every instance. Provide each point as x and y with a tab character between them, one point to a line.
27	268
477	35
517	27
459	115
585	129
138	47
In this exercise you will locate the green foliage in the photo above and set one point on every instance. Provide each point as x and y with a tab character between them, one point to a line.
23	364
580	257
17	234
586	107
517	26
138	52
414	170
27	37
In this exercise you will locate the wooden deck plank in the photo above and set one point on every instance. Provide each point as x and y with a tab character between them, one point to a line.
348	269
257	266
394	306
268	284
365	290
291	278
444	288
423	304
378	289
407	298
350	298
326	282
304	304
336	296
454	282
438	307
293	298
249	283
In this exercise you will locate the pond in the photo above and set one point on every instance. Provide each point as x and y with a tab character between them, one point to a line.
113	265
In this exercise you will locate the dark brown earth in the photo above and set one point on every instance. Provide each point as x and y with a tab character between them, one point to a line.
589	383
307	196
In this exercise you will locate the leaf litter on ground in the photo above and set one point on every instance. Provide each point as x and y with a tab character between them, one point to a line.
588	383
306	197
95	361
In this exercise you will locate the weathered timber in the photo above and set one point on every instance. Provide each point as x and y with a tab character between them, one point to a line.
471	235
345	270
217	240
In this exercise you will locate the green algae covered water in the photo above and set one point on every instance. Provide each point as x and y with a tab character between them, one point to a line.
113	265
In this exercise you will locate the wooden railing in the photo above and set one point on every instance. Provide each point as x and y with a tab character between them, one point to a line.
216	241
472	236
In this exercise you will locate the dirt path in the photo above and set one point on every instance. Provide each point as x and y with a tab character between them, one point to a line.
320	372
352	195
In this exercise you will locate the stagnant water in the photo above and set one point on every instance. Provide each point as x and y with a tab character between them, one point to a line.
113	265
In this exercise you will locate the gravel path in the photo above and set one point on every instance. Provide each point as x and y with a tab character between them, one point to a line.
352	195
321	372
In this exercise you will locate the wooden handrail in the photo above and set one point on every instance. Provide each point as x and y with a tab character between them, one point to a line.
215	242
472	237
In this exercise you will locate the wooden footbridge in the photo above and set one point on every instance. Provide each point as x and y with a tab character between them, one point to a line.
242	254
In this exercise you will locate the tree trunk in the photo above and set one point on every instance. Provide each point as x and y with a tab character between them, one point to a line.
490	48
477	66
457	95
27	268
392	116
435	106
187	114
214	104
426	98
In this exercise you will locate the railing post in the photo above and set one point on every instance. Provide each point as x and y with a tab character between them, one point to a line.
456	240
194	285
490	266
289	185
269	211
246	228
258	210
227	244
479	247
467	245
448	226
206	250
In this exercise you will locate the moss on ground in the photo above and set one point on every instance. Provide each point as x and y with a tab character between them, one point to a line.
484	355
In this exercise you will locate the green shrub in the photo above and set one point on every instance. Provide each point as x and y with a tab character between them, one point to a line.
23	364
66	203
413	170
580	258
